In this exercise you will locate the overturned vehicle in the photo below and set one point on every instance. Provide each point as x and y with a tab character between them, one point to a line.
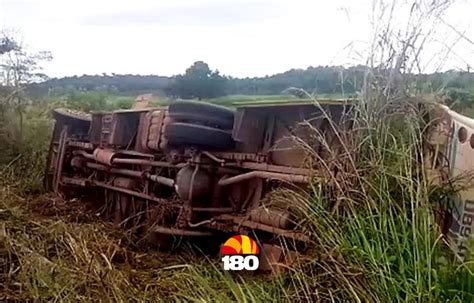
198	170
191	169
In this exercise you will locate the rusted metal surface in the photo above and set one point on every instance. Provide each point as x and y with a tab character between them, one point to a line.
271	256
74	181
60	159
159	179
95	132
124	128
241	156
276	168
104	156
148	162
118	171
78	124
83	154
242	221
212	209
134	153
123	202
192	183
284	132
264	175
181	232
171	170
69	113
78	162
105	129
83	145
125	183
130	192
213	158
277	218
275	259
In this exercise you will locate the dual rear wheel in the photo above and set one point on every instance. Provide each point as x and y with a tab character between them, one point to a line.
201	124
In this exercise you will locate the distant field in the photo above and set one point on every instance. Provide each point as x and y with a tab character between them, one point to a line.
93	101
236	100
251	98
121	101
247	99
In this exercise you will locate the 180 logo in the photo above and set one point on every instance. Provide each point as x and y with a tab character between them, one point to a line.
240	253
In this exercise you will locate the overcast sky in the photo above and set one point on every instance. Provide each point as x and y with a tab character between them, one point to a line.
238	37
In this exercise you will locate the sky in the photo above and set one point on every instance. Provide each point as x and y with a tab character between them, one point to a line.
241	38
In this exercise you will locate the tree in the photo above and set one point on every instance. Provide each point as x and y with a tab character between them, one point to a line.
7	45
18	68
199	81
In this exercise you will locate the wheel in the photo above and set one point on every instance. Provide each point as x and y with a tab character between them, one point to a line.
194	134
205	113
203	118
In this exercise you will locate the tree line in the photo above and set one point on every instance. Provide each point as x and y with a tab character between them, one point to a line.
199	81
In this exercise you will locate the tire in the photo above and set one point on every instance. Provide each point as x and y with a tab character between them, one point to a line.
205	113
179	133
204	119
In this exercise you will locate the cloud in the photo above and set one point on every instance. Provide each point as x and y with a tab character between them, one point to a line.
206	14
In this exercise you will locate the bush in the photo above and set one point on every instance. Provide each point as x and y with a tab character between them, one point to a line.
460	99
87	101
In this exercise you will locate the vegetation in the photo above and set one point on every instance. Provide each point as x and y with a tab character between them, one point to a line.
114	84
334	81
198	82
375	238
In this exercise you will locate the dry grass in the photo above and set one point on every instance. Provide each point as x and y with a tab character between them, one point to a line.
63	252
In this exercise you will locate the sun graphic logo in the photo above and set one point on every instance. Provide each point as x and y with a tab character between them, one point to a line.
240	253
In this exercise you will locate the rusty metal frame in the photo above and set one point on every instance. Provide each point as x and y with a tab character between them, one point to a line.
60	159
181	232
264	175
237	156
87	182
274	168
242	221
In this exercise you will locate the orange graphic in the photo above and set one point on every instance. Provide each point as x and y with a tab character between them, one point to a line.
240	245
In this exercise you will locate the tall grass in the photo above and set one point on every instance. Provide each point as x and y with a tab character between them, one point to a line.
23	150
375	237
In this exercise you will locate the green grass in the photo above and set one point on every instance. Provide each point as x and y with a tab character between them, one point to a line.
230	99
236	100
376	240
96	101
